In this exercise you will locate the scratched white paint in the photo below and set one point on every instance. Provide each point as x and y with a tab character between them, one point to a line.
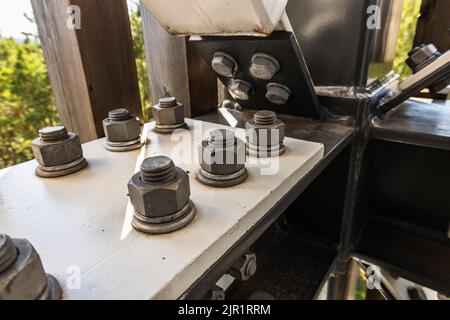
78	220
219	17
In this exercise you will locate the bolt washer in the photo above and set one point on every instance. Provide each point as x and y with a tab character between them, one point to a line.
124	146
62	170
167	224
265	152
53	290
222	181
169	128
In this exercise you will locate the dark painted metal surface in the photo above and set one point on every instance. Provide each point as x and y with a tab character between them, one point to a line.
401	96
289	268
406	254
293	72
335	39
335	137
417	123
411	184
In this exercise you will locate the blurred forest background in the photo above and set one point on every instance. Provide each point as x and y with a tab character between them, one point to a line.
27	103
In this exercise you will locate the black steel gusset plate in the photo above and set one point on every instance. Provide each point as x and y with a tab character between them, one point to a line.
293	71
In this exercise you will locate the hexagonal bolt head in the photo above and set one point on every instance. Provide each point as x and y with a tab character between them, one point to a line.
241	90
121	126
217	293
26	279
160	193
53	149
244	268
265	134
422	56
168	112
264	66
224	64
278	94
222	158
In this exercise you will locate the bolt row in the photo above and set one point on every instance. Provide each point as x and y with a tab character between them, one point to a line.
263	67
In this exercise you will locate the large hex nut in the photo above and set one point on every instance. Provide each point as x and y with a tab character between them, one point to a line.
161	199
122	131
26	278
266	136
264	66
224	64
241	90
222	160
278	94
168	115
50	154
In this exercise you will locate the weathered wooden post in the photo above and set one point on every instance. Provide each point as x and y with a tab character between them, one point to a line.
175	68
89	53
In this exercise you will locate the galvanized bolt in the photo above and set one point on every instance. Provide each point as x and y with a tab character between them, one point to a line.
58	152
224	64
264	66
22	276
53	134
265	135
421	56
222	159
217	293
244	268
241	90
122	131
265	118
119	115
278	94
168	115
8	252
157	169
160	194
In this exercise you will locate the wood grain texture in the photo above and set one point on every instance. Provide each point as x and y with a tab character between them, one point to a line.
175	68
65	67
92	69
106	48
434	24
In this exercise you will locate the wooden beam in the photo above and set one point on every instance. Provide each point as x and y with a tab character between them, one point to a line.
175	68
92	70
434	24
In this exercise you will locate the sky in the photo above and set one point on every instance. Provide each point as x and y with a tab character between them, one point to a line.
13	22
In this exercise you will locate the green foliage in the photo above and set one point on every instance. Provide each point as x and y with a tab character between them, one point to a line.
26	101
141	62
410	15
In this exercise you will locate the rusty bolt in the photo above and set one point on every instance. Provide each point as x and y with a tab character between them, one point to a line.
22	276
264	66
224	64
277	93
241	90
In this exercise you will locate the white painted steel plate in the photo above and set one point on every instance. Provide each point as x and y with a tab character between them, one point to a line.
82	222
218	17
